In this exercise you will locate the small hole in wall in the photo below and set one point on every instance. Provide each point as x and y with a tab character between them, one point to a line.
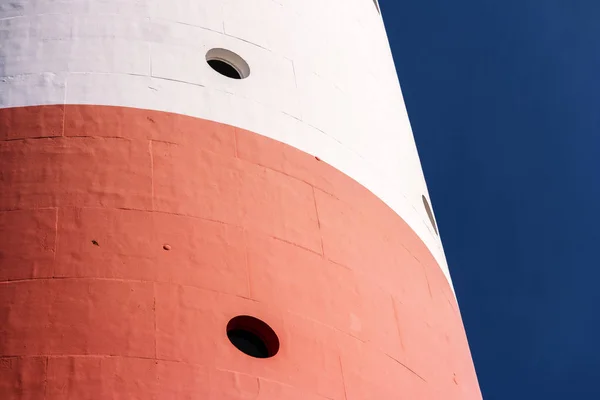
430	214
253	337
228	64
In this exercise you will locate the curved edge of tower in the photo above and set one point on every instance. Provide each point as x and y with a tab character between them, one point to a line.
146	201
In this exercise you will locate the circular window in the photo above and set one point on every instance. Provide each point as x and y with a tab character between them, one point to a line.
430	214
252	337
228	63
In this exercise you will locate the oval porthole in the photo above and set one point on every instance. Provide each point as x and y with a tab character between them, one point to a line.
430	214
228	64
252	336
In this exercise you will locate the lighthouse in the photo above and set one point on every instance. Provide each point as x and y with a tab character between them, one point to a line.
216	199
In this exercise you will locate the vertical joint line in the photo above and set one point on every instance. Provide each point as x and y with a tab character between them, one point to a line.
427	280
46	378
247	264
56	213
394	308
155	324
300	113
151	171
294	71
343	378
235	142
150	56
64	108
318	220
258	392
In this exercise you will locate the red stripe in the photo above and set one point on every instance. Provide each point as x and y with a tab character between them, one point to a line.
92	306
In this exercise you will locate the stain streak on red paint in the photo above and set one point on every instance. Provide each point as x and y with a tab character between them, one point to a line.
254	227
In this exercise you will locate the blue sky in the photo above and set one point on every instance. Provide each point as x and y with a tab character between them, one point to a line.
504	100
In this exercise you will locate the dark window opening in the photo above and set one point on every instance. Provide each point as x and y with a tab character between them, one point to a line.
224	68
253	337
249	343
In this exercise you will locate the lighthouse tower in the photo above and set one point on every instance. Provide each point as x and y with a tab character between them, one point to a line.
215	199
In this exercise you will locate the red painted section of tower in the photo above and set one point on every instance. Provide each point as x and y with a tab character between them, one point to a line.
92	305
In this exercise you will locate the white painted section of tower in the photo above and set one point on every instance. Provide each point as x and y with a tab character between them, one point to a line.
322	76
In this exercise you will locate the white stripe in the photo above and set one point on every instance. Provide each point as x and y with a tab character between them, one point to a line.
322	76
